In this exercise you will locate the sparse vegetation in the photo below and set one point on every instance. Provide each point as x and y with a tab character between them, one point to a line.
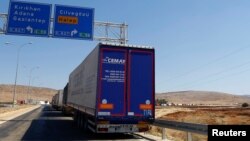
244	105
161	101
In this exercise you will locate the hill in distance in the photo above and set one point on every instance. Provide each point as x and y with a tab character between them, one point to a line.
24	92
203	97
181	97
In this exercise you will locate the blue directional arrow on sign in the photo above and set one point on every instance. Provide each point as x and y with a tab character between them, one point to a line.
27	18
73	22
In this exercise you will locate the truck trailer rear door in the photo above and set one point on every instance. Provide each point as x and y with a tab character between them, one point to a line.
112	83
141	83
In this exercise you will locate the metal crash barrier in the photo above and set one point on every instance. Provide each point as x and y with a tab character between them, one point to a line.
182	126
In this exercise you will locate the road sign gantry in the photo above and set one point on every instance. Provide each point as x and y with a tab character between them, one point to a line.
34	19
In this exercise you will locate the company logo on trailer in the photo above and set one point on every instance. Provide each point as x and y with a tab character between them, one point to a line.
108	60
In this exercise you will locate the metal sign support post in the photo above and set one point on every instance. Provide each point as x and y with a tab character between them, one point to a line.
103	31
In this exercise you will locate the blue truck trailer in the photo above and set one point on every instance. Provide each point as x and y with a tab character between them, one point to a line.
113	89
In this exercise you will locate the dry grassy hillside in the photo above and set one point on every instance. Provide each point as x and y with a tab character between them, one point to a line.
203	97
37	93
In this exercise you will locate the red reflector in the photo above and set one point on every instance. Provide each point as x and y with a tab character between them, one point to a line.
145	106
103	122
103	129
106	106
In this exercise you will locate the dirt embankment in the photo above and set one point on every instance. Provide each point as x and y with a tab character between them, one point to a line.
160	112
25	92
238	116
10	109
214	115
204	98
7	113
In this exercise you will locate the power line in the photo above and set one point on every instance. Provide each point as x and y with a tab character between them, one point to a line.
226	76
210	63
215	74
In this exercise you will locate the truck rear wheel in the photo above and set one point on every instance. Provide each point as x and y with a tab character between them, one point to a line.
85	124
78	119
75	118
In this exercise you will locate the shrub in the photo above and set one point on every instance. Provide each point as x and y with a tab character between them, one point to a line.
244	105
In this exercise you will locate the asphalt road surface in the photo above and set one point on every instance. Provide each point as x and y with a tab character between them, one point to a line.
45	123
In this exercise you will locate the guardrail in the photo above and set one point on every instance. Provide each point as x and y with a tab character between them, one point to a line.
182	126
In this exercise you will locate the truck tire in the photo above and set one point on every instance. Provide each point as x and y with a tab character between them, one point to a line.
81	120
75	118
85	124
78	119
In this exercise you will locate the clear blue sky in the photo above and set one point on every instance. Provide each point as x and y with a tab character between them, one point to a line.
200	45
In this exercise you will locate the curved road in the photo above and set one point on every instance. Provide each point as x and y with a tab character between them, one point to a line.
45	123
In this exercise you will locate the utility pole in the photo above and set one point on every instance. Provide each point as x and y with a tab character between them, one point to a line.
1	93
31	70
17	65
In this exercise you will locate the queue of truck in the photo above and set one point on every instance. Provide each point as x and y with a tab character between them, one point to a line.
112	90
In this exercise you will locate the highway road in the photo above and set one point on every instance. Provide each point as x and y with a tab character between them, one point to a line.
45	123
